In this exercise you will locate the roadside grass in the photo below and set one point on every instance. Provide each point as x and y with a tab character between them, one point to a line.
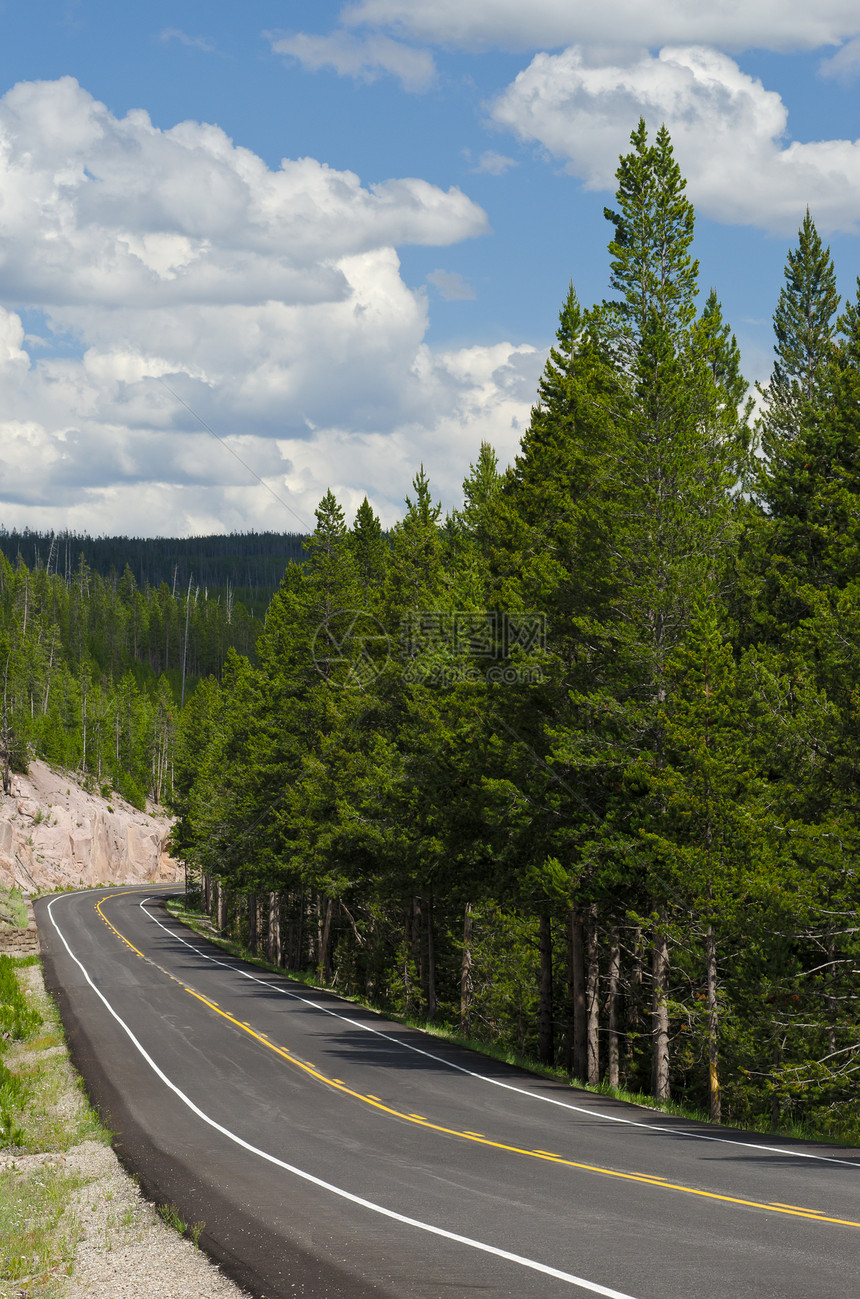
42	1112
172	1218
13	908
38	1235
796	1130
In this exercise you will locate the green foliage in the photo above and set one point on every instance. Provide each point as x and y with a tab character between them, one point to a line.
627	840
18	1020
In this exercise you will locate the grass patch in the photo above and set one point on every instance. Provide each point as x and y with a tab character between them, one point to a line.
38	1236
172	1218
13	909
42	1110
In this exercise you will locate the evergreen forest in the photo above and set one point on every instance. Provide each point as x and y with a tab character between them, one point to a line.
94	670
574	768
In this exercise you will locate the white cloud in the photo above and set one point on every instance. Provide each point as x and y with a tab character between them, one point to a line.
365	58
728	133
99	209
193	42
270	302
845	64
548	24
494	164
451	286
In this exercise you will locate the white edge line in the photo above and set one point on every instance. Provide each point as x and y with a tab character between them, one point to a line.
549	1100
534	1266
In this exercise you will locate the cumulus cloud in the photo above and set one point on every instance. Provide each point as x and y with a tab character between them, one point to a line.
96	208
451	286
728	133
365	58
548	24
198	282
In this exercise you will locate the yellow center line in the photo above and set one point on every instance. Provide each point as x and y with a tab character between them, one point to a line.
644	1179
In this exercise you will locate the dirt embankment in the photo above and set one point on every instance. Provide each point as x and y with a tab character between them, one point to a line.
54	834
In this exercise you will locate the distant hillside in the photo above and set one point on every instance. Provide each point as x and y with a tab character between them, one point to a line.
251	563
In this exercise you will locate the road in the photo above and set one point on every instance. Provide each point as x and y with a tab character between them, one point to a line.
332	1153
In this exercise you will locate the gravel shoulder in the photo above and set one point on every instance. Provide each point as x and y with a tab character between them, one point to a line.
73	1223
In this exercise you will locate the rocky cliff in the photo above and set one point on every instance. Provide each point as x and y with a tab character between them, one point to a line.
54	834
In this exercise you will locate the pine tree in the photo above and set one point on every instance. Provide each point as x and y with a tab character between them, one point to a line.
805	327
661	489
705	826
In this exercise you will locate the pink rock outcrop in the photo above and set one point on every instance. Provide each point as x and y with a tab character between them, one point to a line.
54	834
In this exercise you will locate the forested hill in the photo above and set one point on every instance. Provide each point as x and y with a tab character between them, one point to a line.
251	564
94	670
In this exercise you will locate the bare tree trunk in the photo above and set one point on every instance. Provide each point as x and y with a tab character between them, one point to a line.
660	1015
222	907
466	988
714	1100
612	1073
205	893
251	905
6	737
274	929
592	1000
418	953
634	1004
578	1065
831	1000
546	1044
262	920
325	938
431	963
298	957
407	958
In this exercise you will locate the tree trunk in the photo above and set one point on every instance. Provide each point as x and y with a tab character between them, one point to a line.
466	987
431	963
298	956
260	924
612	1072
407	958
325	941
660	1016
578	1065
634	1003
274	928
251	905
221	922
830	978
418	954
592	1000
714	1099
546	1044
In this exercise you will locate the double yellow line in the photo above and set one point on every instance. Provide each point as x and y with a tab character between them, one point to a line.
794	1211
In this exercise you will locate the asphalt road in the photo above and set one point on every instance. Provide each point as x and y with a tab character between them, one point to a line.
334	1154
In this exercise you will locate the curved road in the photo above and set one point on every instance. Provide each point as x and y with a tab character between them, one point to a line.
334	1154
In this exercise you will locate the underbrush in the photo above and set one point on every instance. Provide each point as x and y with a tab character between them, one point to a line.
832	1132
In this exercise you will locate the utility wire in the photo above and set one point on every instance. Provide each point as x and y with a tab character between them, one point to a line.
306	528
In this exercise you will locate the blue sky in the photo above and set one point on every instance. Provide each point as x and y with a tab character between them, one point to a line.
386	296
